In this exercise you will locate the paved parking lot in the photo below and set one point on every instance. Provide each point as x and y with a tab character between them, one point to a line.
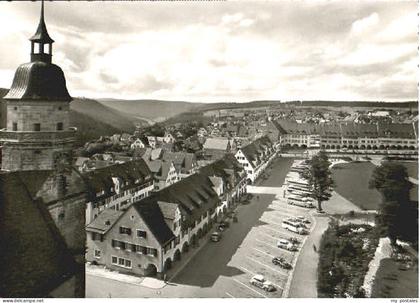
256	252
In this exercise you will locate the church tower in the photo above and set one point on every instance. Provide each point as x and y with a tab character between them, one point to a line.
38	135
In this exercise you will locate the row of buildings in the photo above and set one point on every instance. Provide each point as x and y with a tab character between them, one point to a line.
149	235
350	135
136	228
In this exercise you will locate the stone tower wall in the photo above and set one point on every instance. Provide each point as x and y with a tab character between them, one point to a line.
47	113
34	157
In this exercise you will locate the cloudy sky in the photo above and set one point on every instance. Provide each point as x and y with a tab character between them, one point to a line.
223	51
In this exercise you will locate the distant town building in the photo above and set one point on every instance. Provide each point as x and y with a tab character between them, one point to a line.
138	143
185	163
298	134
216	148
255	157
349	135
117	186
164	173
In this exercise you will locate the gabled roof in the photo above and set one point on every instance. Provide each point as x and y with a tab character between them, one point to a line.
294	128
156	153
168	209
101	179
152	216
253	150
104	221
181	160
154	166
216	143
194	195
226	168
396	130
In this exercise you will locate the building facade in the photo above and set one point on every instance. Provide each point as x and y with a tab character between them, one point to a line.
117	187
349	135
255	157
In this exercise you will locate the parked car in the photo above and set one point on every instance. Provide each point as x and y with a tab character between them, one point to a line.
303	219
294	240
286	244
261	282
280	261
215	237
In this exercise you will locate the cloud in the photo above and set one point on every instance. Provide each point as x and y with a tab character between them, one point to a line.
365	24
226	51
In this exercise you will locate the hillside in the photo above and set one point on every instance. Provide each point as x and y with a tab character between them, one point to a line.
91	118
105	114
154	110
89	129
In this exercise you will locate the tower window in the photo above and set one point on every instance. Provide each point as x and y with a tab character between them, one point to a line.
15	108
37	127
60	126
14	126
60	108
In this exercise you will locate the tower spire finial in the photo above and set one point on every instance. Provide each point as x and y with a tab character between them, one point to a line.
40	39
42	11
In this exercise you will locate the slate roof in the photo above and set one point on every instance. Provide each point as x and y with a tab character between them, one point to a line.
34	258
349	129
194	195
156	153
101	179
159	168
216	143
152	216
182	161
294	128
168	209
253	150
227	168
396	130
104	221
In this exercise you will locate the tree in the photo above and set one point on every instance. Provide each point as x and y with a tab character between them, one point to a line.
319	178
395	213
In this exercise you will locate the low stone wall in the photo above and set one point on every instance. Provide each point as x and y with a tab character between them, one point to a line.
383	251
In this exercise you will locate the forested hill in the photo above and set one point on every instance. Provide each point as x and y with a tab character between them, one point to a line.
91	118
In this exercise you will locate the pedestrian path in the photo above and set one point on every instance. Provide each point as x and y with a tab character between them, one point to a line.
101	271
305	272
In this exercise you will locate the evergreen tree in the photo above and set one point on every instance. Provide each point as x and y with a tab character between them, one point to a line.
319	178
395	216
